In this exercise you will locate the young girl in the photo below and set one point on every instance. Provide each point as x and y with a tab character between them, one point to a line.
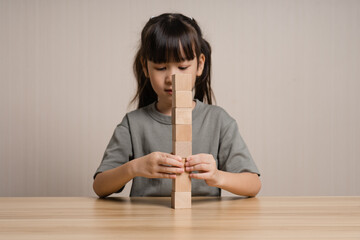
140	148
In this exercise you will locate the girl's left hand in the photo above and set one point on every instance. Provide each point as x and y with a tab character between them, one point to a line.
206	166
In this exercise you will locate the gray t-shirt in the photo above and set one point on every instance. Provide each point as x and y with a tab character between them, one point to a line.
146	130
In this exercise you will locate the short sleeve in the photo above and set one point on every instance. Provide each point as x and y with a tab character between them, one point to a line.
234	155
119	149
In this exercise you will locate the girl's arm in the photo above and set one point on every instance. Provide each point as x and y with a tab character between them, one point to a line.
110	181
244	184
153	165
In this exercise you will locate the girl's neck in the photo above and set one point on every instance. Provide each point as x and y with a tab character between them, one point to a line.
163	108
166	108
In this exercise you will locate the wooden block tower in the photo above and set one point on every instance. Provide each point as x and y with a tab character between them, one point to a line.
181	136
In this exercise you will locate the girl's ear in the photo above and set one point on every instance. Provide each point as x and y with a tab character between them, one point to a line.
201	65
144	67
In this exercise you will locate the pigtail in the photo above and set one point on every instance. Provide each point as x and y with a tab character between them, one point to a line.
203	90
145	94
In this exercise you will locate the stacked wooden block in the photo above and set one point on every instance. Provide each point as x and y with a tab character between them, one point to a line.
181	136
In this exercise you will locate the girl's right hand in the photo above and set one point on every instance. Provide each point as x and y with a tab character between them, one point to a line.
158	165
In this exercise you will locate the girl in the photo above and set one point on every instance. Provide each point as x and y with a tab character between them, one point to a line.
141	144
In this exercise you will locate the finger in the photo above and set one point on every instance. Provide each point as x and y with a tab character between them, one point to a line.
199	167
193	160
171	170
199	175
199	159
165	175
168	155
171	162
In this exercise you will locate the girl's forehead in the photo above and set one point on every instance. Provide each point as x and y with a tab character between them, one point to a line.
173	62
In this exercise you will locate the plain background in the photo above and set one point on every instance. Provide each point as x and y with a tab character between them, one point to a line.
287	71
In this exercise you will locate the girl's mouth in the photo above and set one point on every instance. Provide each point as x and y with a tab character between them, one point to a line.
169	91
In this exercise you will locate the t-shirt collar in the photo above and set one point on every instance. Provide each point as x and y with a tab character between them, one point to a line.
165	119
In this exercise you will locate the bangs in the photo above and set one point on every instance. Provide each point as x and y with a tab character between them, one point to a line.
171	41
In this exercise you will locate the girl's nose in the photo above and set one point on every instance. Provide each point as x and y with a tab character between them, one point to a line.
168	80
171	72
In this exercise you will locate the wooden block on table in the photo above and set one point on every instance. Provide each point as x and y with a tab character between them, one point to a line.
181	116
181	148
182	132
181	200
182	99
181	82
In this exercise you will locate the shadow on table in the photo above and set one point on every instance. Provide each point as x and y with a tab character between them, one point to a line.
166	201
159	201
200	200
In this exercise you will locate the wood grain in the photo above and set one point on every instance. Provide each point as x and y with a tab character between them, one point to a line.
182	132
152	218
182	149
182	183
181	82
182	99
181	115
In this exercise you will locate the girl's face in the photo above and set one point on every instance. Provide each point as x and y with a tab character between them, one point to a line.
160	76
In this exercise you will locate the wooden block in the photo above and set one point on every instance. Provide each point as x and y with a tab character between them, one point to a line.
182	183
182	102
181	82
181	116
182	149
182	99
181	200
182	132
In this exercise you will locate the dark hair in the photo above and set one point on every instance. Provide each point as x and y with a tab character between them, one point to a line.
162	40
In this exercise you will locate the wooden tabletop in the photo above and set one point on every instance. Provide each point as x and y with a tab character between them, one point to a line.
152	218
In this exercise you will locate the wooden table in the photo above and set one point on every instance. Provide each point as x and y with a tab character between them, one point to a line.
152	218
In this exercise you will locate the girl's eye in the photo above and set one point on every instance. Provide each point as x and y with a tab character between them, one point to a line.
160	68
183	68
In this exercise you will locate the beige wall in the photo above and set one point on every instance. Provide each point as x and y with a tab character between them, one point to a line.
287	71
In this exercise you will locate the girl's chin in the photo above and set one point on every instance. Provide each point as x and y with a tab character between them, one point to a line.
165	101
